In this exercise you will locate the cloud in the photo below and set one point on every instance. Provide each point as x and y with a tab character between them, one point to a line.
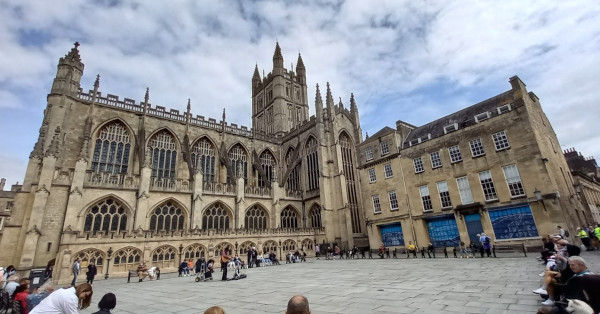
403	60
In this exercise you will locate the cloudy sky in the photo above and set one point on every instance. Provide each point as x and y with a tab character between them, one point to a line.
404	60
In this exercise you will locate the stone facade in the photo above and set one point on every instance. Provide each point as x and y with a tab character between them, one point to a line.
476	170
7	199
117	182
586	175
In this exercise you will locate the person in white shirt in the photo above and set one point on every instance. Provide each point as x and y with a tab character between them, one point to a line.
11	284
76	267
66	300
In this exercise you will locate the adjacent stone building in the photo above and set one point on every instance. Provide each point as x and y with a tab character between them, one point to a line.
495	167
7	199
116	181
586	175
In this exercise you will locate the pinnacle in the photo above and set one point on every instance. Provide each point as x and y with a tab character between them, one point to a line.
277	53
97	82
73	55
300	63
147	95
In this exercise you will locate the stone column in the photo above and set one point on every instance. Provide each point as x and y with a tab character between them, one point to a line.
74	205
142	198
197	203
239	202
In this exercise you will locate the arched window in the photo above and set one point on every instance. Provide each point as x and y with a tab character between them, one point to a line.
215	217
270	246
312	162
307	245
194	251
289	245
203	158
267	162
289	218
111	151
168	217
164	257
315	216
164	155
107	215
348	164
244	247
126	259
239	163
90	255
293	181
256	218
219	248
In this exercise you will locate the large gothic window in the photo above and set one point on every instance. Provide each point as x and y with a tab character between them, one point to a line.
293	181
312	164
267	162
168	217
164	155
126	258
194	251
315	216
239	163
111	151
256	218
216	217
289	218
347	148
107	215
203	158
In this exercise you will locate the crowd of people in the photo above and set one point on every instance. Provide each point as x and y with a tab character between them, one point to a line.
566	275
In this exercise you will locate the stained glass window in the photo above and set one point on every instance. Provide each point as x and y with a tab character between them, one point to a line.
111	151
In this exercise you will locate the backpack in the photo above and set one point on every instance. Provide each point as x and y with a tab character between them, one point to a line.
567	234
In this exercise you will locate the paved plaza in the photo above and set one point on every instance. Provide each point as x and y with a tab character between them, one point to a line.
489	285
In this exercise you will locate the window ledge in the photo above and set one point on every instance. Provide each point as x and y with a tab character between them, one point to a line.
394	209
419	172
389	177
518	197
428	211
501	149
433	168
447	208
376	213
478	156
492	201
455	162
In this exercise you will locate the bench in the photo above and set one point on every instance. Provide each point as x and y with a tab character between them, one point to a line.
509	248
134	273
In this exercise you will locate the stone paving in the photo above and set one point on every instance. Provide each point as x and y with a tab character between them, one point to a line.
489	285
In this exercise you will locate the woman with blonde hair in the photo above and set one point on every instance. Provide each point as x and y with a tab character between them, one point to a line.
214	310
66	300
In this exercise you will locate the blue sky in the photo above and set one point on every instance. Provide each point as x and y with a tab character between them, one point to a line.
404	60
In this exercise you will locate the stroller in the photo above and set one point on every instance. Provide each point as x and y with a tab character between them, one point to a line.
205	270
238	272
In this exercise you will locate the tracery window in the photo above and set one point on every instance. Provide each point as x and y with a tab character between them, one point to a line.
256	218
289	218
203	158
126	258
215	217
307	245
164	257
164	155
315	216
293	181
90	255
312	161
194	251
289	245
168	217
270	246
219	248
347	148
111	151
239	163
107	215
244	247
267	162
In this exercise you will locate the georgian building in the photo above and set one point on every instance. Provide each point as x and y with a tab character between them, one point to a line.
586	175
494	167
117	181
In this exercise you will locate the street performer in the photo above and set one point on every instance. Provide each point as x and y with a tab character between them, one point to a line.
224	260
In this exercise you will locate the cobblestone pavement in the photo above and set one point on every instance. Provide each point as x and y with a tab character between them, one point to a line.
489	285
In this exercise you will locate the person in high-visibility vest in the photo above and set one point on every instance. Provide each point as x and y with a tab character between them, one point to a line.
584	238
597	236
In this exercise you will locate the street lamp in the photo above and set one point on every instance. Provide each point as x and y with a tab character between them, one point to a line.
109	254
538	194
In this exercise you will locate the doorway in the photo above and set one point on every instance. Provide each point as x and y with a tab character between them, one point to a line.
474	227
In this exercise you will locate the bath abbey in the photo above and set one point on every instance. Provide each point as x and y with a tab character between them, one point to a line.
119	181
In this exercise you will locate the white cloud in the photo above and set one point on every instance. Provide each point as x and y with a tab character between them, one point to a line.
395	56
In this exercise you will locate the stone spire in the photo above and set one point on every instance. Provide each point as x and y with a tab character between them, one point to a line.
73	55
97	82
277	58
319	105
329	103
87	135
301	70
340	104
188	112
256	80
53	148
38	148
223	123
146	98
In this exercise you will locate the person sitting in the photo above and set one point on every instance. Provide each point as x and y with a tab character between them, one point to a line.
12	282
561	272
273	258
142	271
298	304
39	294
20	297
107	303
412	249
547	250
430	250
296	257
153	272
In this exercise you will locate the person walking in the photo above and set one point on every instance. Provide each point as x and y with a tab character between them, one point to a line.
318	251
249	254
487	244
75	268
585	239
596	234
91	273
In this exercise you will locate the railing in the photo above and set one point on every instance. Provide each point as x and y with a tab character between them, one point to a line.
108	179
173	185
293	193
264	191
218	188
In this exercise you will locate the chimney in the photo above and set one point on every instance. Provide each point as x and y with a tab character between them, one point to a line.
2	183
